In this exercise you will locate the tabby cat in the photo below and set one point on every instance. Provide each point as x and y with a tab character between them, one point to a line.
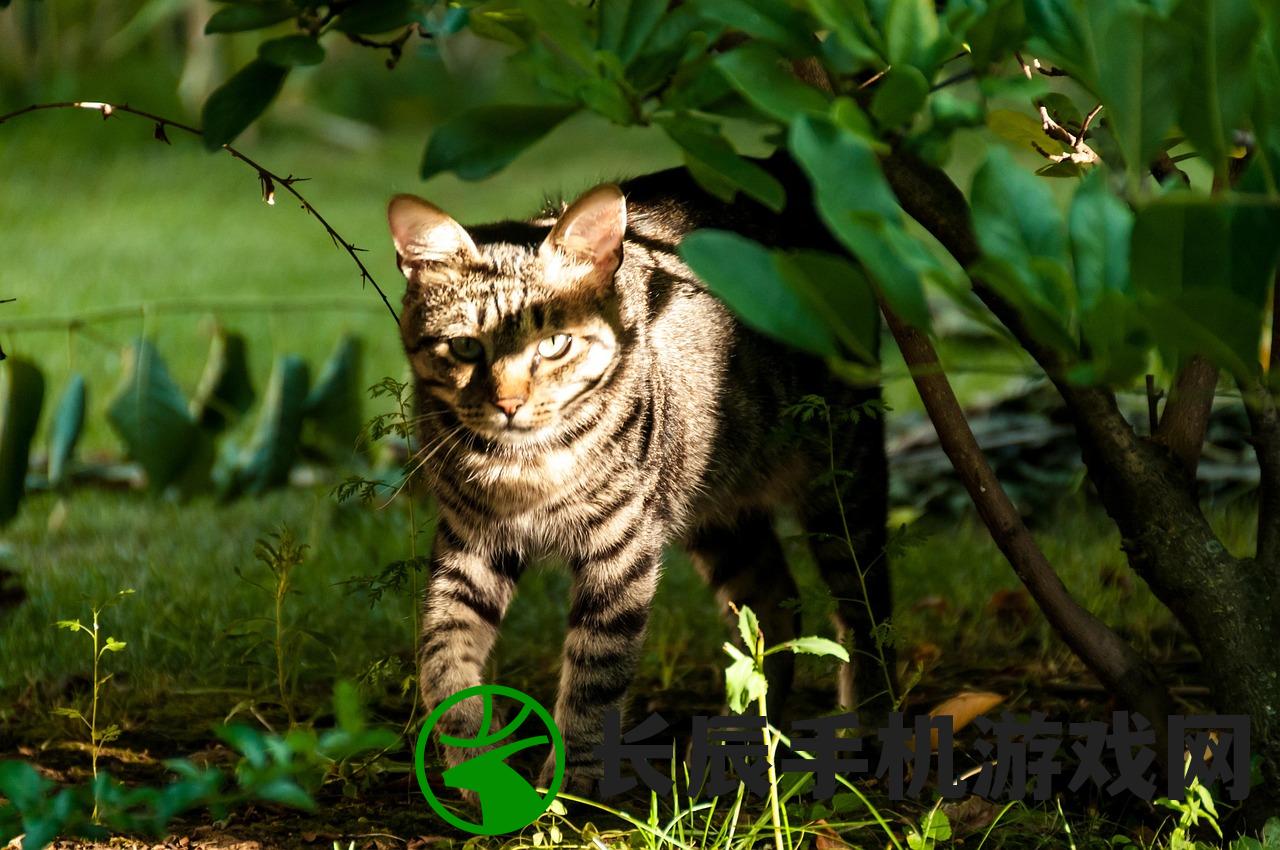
581	394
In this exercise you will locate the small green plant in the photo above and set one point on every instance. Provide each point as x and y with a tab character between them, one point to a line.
724	824
284	769
1195	808
280	554
934	827
99	646
745	685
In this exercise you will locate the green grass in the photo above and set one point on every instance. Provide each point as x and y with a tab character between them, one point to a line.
183	562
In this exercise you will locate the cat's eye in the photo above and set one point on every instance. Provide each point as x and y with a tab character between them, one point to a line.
466	348
556	345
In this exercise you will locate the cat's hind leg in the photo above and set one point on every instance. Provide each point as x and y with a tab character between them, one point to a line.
847	528
744	564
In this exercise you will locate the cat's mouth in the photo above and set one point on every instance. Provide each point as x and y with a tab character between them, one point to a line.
511	433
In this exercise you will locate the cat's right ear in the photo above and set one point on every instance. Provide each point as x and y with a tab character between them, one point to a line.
423	232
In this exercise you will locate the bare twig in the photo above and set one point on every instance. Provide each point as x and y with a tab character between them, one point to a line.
267	178
1164	166
874	78
394	46
1080	153
1034	65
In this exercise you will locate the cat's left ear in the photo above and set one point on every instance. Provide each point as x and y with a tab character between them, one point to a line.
591	231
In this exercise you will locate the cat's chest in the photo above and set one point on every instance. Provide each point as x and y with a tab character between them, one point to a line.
518	485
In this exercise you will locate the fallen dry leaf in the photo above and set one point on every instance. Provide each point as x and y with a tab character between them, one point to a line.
1010	607
827	838
963	708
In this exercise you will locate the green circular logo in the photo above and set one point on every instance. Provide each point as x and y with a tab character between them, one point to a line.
508	801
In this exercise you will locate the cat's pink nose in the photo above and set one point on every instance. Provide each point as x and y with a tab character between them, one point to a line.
509	406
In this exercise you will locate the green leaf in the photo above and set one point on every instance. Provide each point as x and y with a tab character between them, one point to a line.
851	23
239	101
773	21
21	785
706	149
858	206
744	684
247	741
501	20
565	26
22	393
1099	224
1063	110
65	429
482	141
69	625
21	397
369	17
113	645
266	462
813	645
65	711
910	29
625	25
765	79
291	50
744	274
150	415
1111	324
1023	241
1203	267
225	392
839	292
748	626
1271	833
899	96
286	792
992	35
681	37
333	407
239	17
1221	37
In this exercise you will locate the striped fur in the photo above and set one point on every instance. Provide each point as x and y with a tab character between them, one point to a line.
659	425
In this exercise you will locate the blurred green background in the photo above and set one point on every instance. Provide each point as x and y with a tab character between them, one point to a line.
96	215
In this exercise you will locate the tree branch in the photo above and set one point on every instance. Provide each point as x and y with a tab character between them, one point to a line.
1186	414
266	178
1118	667
1264	423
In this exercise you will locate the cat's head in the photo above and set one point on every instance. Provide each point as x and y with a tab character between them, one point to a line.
513	338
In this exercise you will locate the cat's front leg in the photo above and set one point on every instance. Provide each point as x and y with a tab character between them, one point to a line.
613	590
466	600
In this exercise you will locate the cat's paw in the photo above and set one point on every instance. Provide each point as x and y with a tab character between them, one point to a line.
579	780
